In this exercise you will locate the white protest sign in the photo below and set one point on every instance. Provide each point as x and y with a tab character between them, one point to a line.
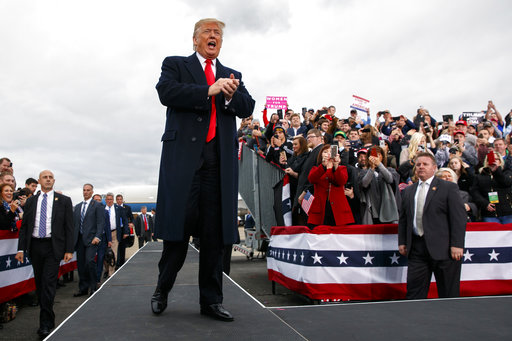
360	103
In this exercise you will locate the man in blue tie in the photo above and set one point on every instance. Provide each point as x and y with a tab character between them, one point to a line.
89	219
46	238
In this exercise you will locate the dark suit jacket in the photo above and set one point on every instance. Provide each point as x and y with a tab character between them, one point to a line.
121	221
139	224
444	218
107	236
93	224
6	217
183	89
61	227
128	212
303	183
301	131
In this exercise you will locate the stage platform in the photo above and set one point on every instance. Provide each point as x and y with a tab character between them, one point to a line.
121	311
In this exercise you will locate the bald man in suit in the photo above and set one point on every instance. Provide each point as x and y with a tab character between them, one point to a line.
46	237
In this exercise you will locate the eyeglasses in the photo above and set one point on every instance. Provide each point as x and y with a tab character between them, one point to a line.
311	136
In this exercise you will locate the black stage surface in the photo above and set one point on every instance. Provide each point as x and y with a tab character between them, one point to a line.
121	311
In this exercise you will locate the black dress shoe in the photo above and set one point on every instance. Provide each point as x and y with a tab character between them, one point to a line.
159	301
43	332
80	293
217	311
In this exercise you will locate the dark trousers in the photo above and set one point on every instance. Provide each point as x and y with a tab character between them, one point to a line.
203	219
102	247
121	252
144	238
87	266
46	271
420	268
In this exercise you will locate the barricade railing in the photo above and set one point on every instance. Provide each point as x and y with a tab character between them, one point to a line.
256	182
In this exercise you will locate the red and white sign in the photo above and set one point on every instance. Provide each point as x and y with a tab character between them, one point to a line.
277	102
360	103
17	278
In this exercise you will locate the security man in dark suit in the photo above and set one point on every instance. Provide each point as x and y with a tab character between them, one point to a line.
106	241
198	184
431	232
127	213
89	220
144	226
46	237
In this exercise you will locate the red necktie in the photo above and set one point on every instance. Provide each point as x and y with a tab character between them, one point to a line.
210	79
145	222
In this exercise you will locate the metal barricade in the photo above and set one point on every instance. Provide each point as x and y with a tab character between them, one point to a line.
256	182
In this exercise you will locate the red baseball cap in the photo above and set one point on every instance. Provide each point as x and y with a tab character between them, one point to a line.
461	122
458	132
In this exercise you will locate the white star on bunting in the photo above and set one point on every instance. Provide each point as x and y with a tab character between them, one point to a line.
468	255
493	255
394	258
368	259
317	258
343	259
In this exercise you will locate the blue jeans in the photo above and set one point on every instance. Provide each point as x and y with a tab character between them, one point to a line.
507	219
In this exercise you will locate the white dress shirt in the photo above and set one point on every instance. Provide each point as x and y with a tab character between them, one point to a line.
112	215
49	208
202	61
427	184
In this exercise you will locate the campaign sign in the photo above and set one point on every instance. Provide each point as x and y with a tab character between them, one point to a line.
360	103
474	117
277	102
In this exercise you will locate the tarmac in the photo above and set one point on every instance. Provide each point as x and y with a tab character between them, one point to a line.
250	274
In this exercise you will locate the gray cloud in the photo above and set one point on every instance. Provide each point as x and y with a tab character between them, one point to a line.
254	17
77	81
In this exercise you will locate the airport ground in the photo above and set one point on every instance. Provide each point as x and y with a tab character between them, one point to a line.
250	274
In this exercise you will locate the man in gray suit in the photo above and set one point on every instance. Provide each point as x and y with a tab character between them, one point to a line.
89	221
431	232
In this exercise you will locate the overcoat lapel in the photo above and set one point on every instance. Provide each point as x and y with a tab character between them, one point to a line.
195	69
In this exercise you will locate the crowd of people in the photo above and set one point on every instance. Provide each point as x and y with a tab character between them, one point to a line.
98	232
371	163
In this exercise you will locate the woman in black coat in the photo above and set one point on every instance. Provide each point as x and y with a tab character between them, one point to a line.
280	149
294	165
8	209
491	191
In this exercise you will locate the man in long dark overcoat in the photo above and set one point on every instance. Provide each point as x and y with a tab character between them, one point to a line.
198	184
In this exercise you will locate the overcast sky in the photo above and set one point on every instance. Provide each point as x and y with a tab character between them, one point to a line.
77	78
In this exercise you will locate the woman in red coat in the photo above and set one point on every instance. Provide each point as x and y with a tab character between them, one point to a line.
330	206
